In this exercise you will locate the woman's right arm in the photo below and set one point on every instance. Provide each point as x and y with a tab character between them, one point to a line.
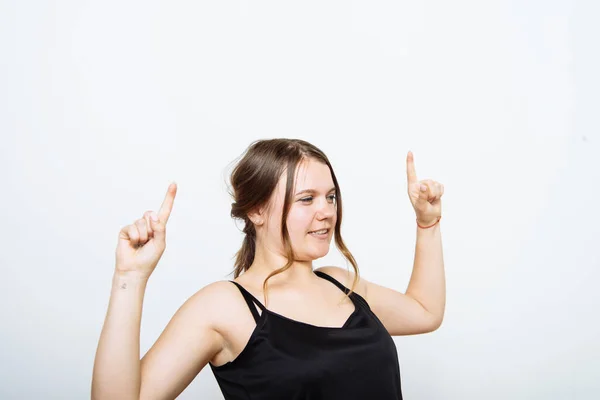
186	345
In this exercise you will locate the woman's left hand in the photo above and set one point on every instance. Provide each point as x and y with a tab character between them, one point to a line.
424	195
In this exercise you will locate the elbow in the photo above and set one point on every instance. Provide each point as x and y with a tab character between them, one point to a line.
438	323
435	323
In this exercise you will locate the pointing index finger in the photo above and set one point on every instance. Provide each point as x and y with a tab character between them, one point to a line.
410	168
167	205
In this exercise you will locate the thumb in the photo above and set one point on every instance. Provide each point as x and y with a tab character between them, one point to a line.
158	227
423	193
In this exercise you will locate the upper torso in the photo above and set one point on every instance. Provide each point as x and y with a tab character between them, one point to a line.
317	350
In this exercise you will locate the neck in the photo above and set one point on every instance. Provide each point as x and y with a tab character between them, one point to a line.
267	261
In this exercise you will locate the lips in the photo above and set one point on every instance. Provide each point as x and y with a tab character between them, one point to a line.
326	230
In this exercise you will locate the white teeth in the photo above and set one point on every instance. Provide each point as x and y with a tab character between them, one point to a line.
319	232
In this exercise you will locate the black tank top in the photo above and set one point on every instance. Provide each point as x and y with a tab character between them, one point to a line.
286	359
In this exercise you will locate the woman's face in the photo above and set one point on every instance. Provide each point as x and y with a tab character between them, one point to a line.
313	208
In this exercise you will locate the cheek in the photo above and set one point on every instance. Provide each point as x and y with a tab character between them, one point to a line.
299	222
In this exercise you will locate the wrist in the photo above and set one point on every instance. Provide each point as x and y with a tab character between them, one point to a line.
428	224
129	278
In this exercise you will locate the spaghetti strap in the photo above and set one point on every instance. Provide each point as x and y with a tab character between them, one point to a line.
250	300
333	280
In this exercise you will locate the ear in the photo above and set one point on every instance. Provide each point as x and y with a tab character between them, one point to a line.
257	217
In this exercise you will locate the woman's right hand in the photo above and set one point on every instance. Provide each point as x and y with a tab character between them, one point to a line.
142	243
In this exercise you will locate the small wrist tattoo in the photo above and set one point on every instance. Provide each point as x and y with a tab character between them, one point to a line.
124	285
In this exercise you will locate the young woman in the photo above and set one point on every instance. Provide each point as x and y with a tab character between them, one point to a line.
280	329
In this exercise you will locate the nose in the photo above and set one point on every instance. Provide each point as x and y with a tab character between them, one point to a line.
325	210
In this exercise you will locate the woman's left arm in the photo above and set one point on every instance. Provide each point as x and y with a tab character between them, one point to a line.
421	309
427	283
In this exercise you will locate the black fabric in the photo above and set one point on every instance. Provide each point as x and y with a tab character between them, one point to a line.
286	359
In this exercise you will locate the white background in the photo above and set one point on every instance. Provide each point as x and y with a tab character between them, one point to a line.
102	104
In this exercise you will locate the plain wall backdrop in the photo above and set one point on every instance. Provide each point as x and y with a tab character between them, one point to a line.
103	103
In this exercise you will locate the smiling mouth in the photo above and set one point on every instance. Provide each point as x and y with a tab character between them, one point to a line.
319	232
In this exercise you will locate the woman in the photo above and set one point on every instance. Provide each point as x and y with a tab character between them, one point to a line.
315	334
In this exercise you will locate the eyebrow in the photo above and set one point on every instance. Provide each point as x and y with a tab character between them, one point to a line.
312	191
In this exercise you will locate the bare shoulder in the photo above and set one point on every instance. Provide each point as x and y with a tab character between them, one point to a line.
346	278
219	290
203	311
216	301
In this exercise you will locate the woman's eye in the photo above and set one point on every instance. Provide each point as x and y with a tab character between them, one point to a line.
332	197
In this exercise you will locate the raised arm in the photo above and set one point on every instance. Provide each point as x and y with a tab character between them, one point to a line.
188	342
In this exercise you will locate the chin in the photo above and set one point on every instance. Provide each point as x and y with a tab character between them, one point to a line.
312	251
316	255
311	256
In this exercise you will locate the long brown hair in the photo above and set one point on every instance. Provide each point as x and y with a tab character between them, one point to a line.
254	179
